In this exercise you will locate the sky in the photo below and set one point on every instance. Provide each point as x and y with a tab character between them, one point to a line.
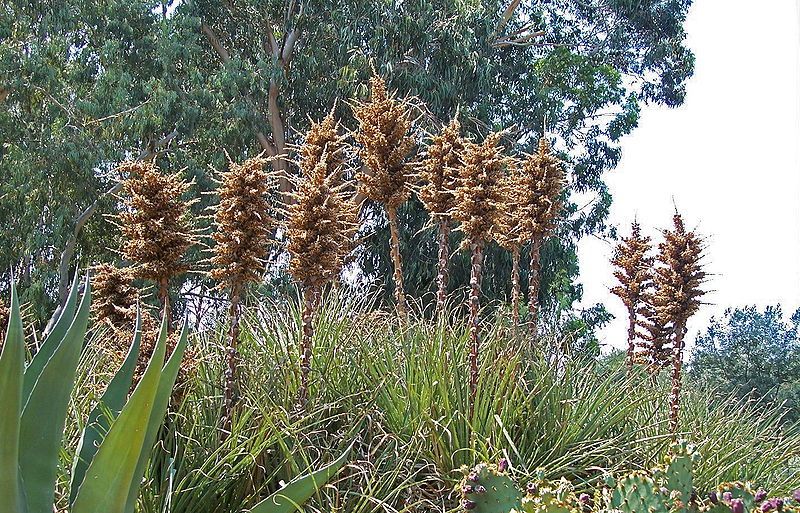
728	158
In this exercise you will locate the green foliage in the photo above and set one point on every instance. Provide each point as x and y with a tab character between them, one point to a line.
751	354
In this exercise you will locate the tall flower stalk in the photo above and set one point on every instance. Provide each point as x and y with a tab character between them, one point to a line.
479	199
243	220
677	280
543	184
514	231
320	225
385	143
155	225
438	175
633	264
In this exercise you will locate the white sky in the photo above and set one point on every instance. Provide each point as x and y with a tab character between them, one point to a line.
728	158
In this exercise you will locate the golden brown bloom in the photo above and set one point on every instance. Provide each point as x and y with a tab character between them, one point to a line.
439	168
244	221
114	297
323	138
633	264
384	123
155	223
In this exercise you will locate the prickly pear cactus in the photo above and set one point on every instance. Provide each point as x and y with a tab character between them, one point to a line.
552	497
489	489
638	493
676	475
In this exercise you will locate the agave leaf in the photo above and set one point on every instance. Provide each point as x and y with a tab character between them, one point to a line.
110	474
106	409
51	341
12	366
45	411
291	497
165	386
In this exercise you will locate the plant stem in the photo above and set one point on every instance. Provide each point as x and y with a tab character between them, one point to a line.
444	257
399	294
631	338
533	284
474	325
230	393
677	365
306	346
515	289
163	298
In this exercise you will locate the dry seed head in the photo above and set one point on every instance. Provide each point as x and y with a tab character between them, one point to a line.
155	223
656	336
321	223
243	220
540	185
480	196
633	264
385	144
114	297
438	170
323	138
510	234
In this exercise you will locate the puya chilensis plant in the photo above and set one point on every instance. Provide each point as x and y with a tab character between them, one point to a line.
385	143
676	294
633	269
542	184
35	399
668	488
244	220
479	203
321	224
511	235
155	225
438	176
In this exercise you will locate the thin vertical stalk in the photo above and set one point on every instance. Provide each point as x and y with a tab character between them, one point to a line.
444	257
306	345
515	288
399	289
631	339
163	298
476	249
230	393
533	284
677	365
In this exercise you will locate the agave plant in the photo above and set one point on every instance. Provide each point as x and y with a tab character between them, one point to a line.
118	436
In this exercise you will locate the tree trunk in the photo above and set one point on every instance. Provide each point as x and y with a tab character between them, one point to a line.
515	289
306	345
444	258
476	249
677	365
533	284
231	392
399	289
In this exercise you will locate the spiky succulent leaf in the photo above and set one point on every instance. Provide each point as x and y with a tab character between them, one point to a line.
487	489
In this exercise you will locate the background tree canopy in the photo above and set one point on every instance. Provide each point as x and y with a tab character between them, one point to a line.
87	85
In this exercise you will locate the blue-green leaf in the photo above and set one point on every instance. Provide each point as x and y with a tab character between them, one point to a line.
12	366
106	409
292	496
45	411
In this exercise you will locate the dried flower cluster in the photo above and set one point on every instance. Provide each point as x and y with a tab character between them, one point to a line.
244	221
323	140
480	197
385	144
155	223
634	265
543	181
114	296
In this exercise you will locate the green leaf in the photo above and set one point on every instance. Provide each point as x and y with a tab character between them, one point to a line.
165	386
289	498
51	341
111	473
12	366
106	409
45	411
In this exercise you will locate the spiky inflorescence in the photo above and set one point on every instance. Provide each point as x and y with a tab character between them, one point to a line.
323	140
155	223
114	296
677	280
479	206
510	236
320	226
438	175
633	264
540	189
384	123
243	221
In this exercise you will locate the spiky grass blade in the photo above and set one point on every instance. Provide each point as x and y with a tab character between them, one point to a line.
45	411
51	341
165	385
12	365
107	408
289	498
110	475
